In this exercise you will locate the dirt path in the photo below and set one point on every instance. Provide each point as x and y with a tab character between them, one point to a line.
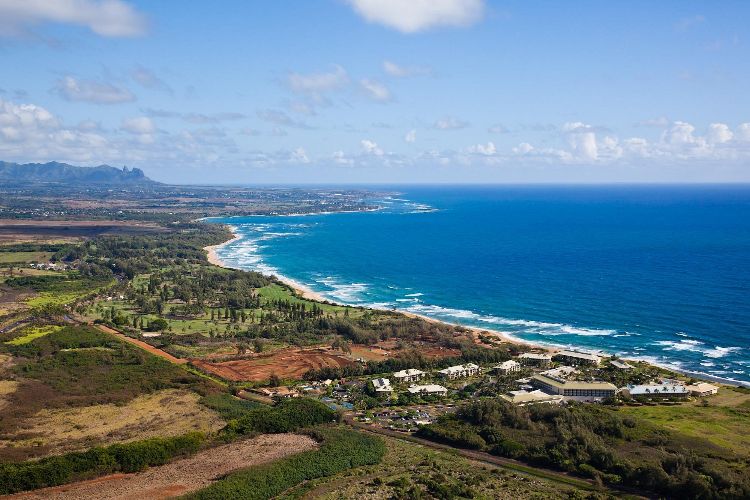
182	476
143	345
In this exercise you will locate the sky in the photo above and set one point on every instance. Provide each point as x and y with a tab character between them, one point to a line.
381	91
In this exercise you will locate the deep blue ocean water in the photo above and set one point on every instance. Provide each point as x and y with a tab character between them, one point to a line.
655	273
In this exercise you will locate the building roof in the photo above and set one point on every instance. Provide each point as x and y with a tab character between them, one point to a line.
579	355
381	384
575	384
525	397
458	369
702	387
429	388
535	355
647	389
621	365
411	372
560	372
506	365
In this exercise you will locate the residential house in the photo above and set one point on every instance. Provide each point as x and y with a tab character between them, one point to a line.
382	385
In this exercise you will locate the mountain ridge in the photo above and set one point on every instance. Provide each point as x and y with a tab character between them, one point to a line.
58	172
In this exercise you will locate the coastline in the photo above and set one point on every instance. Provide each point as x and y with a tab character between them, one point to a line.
307	293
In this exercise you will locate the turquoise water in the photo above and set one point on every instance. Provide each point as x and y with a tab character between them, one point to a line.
655	273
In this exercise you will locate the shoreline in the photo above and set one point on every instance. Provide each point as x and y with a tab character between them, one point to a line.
307	293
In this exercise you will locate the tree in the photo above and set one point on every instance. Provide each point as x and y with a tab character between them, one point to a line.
274	380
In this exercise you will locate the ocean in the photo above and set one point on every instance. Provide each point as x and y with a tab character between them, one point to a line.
658	273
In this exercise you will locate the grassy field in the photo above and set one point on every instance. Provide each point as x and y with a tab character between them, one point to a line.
413	471
170	412
24	257
725	421
33	332
277	292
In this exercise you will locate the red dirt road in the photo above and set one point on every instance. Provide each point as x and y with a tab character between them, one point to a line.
143	345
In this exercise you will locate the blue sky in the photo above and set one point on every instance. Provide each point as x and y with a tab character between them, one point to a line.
347	91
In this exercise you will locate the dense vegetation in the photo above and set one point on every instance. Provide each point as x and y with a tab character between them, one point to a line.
287	416
128	457
597	442
340	450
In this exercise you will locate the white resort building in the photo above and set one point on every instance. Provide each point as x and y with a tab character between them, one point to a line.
410	375
664	390
535	359
430	389
583	391
507	367
459	371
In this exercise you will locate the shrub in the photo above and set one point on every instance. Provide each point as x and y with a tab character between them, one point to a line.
128	457
341	449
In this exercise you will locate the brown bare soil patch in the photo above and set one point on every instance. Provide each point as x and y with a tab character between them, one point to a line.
183	476
286	363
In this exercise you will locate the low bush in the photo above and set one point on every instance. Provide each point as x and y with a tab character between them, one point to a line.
128	457
340	450
287	416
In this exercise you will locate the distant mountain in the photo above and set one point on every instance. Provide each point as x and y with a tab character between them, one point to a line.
64	173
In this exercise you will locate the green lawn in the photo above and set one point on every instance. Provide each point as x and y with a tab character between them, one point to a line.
277	292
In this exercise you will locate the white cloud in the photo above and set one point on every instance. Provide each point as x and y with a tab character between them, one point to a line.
450	123
110	18
481	149
138	125
686	23
340	158
719	133
413	16
299	155
73	89
743	132
397	71
523	149
375	90
370	148
411	136
316	83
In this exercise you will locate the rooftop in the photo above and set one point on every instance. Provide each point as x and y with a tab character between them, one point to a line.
575	384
